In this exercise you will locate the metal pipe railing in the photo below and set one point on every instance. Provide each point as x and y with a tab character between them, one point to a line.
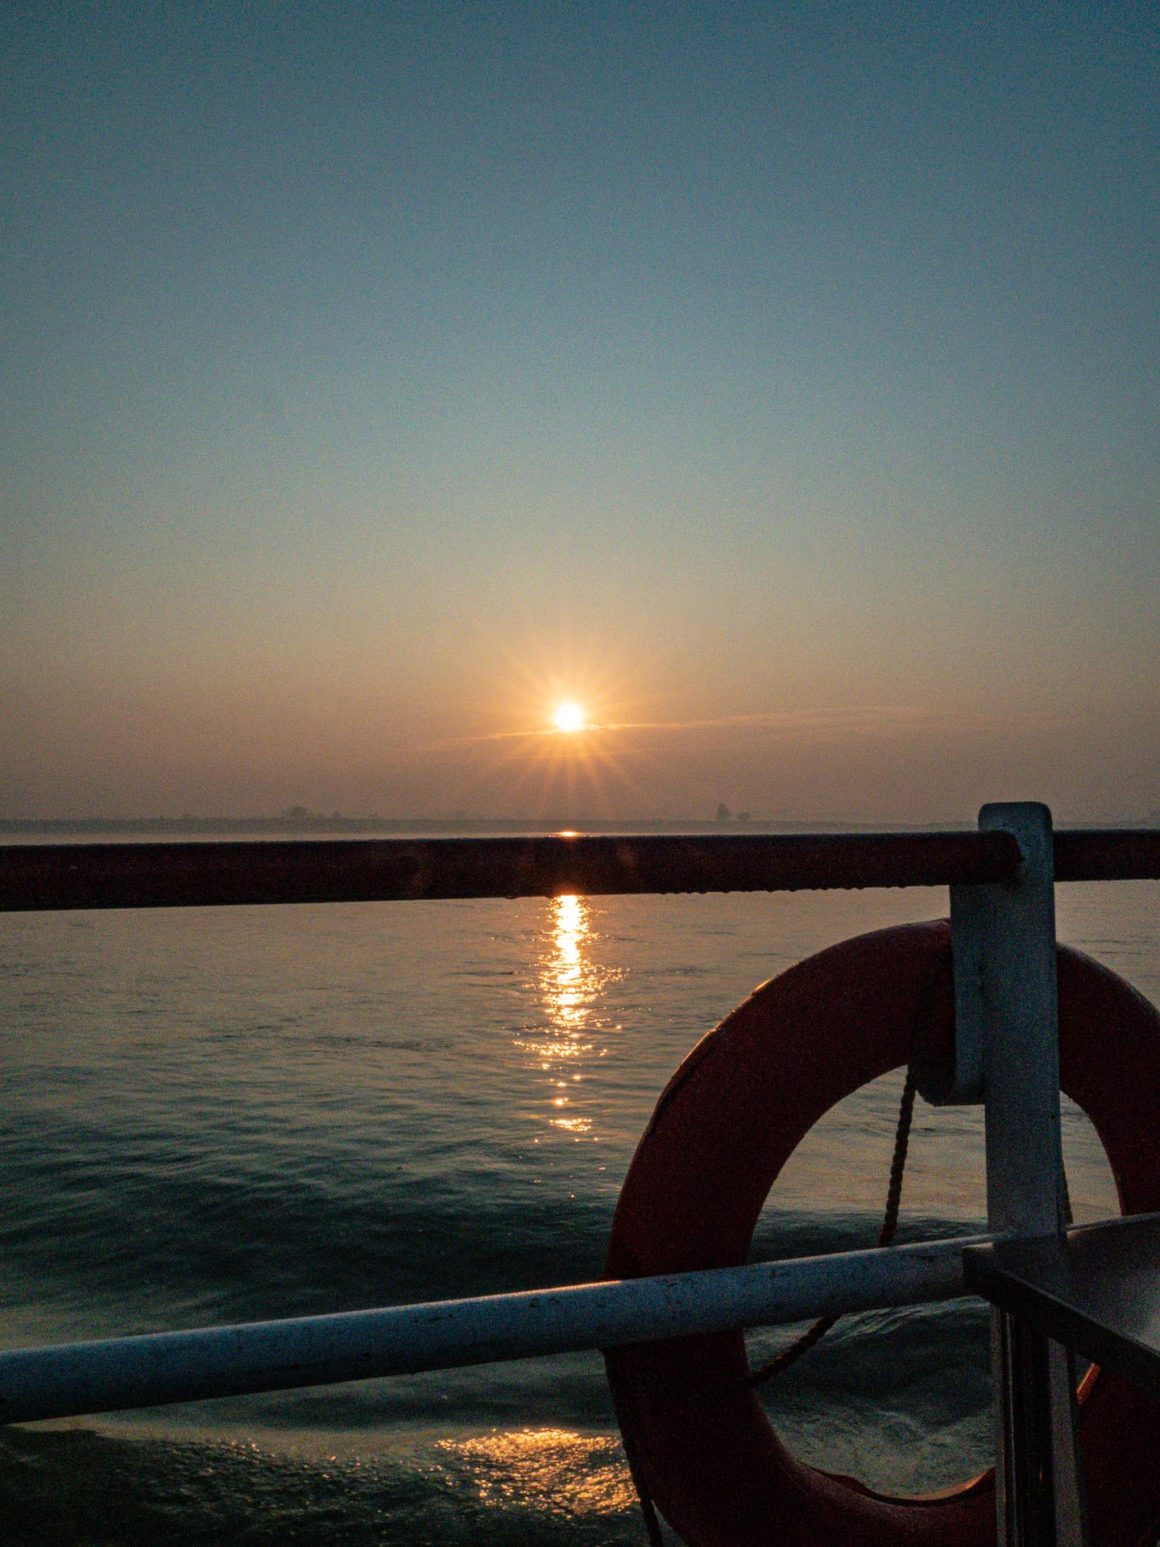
192	874
182	1366
74	1378
200	874
1107	854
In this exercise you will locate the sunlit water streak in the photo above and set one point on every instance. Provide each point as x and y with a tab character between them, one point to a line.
216	1115
573	1033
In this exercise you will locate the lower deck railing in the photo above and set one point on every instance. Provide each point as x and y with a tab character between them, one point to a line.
117	1373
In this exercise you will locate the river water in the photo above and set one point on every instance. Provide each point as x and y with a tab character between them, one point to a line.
217	1115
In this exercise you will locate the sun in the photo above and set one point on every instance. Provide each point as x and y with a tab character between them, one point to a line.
569	717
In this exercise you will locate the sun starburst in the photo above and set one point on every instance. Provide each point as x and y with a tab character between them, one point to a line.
569	717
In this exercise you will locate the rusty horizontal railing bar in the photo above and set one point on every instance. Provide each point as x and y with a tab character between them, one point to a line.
200	874
1107	854
195	874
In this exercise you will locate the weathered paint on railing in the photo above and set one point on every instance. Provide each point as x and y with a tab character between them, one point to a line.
74	1378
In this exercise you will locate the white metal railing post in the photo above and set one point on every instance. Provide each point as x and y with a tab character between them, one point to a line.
1006	1007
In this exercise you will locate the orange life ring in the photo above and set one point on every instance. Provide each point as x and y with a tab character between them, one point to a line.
723	1128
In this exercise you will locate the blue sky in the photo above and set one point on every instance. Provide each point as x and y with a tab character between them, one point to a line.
778	381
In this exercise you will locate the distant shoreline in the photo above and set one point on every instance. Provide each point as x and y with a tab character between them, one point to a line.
310	825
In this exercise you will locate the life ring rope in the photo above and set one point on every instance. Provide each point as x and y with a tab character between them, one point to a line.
814	1334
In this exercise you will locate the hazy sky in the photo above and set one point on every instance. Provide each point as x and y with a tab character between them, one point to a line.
778	381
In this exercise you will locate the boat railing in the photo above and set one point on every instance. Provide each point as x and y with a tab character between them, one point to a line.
1001	879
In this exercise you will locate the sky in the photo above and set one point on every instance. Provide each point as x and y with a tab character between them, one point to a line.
777	382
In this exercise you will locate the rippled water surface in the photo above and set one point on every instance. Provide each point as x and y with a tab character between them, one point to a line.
228	1114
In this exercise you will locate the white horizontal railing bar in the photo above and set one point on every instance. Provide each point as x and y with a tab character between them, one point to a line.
69	1379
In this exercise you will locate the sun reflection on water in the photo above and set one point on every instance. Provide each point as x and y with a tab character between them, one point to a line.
569	984
548	1469
563	977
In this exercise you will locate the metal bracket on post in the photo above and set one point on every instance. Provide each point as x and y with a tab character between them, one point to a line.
977	919
1007	1050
